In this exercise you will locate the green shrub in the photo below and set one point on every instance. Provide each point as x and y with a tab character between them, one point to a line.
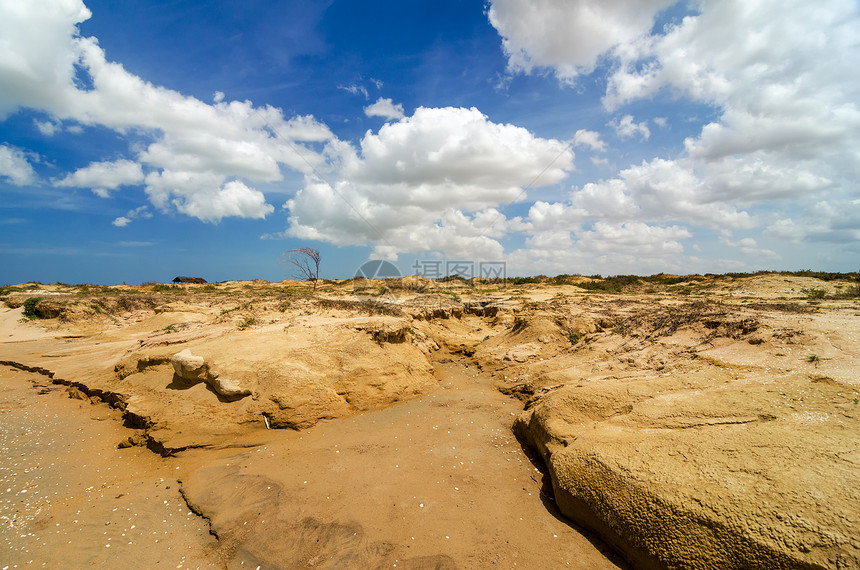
852	292
454	296
526	280
814	293
613	284
160	287
30	307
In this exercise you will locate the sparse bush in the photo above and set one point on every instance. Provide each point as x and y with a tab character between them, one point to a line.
562	279
784	307
30	308
372	306
664	279
526	280
454	296
248	322
163	287
5	290
454	277
852	292
614	284
813	293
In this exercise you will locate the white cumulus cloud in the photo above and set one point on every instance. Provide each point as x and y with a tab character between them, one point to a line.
625	128
568	36
780	77
384	108
47	128
602	247
140	212
589	139
431	181
102	177
223	146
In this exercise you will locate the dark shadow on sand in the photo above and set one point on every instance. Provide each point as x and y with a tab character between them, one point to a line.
177	383
547	497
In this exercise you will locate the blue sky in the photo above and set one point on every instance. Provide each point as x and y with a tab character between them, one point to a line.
140	140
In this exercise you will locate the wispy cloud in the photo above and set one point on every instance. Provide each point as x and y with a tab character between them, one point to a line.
141	212
15	167
355	90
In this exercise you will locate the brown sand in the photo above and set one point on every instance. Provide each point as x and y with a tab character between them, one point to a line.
406	456
434	482
438	480
70	499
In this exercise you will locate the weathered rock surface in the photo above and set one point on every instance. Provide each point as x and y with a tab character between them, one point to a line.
193	369
189	367
226	387
697	472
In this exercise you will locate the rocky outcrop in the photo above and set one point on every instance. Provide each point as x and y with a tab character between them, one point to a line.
695	472
189	367
481	308
193	369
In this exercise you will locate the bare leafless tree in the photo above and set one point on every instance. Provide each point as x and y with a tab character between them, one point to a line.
306	261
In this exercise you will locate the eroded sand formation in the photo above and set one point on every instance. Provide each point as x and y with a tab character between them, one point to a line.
702	423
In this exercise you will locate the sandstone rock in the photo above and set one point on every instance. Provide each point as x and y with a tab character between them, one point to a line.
582	325
189	367
695	473
522	352
137	439
49	309
227	388
193	368
302	408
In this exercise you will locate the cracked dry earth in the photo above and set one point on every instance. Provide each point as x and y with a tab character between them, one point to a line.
70	499
531	427
434	482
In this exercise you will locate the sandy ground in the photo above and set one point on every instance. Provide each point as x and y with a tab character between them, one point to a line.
70	499
428	483
438	480
405	401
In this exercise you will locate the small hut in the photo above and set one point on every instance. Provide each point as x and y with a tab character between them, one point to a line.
189	280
